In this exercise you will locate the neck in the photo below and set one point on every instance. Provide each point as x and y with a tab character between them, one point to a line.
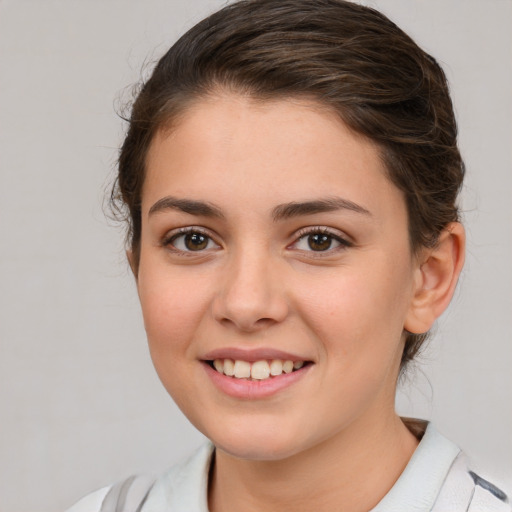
338	474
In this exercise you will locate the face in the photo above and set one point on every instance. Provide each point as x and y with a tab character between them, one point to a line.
272	238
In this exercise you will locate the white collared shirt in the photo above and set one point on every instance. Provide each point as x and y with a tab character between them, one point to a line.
436	479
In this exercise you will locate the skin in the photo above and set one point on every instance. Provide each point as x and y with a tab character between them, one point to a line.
258	283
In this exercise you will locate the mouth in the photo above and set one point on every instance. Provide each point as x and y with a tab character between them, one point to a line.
256	370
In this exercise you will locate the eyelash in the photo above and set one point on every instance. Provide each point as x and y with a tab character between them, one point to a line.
169	240
310	231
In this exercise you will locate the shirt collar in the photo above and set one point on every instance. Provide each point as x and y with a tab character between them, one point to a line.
184	488
418	486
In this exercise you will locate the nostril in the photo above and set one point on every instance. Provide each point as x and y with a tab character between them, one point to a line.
247	324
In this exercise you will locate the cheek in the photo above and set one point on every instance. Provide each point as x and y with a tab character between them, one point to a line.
356	312
173	309
172	306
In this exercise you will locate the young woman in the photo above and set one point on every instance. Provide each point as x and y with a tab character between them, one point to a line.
290	176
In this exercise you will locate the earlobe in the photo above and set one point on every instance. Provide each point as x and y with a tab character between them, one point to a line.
436	278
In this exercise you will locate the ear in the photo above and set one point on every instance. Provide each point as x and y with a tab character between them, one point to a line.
436	278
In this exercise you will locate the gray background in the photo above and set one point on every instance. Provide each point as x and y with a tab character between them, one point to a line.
80	403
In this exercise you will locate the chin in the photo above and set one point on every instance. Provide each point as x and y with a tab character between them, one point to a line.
251	450
266	444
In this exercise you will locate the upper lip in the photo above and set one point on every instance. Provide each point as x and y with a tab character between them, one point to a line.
251	355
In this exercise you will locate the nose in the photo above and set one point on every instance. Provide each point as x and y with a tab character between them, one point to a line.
251	296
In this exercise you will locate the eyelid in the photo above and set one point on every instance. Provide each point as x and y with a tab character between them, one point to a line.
169	237
339	236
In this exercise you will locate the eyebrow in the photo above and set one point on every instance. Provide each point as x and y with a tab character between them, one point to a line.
190	206
328	204
280	212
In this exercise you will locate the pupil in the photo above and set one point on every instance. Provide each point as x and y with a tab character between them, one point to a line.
319	242
196	241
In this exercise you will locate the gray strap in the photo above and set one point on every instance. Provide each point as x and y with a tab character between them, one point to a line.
489	487
466	491
128	495
485	501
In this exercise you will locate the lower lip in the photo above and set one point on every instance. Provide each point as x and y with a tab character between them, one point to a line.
254	389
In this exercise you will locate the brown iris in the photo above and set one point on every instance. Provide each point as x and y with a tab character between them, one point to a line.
319	242
195	241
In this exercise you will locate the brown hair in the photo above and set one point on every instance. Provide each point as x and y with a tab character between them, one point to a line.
350	58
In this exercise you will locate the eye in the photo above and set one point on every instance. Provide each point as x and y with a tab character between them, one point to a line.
190	240
320	240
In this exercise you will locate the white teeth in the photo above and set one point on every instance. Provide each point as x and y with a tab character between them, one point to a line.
276	367
242	369
229	367
288	366
260	370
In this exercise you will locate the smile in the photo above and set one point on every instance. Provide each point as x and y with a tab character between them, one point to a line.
256	373
257	370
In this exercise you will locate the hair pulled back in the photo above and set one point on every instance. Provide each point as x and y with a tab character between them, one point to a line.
347	57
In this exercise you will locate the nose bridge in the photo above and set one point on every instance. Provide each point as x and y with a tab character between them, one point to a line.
250	295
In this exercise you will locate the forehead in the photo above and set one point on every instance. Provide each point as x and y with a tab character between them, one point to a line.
293	148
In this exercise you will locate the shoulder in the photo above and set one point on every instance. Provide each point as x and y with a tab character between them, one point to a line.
184	488
460	487
184	485
438	478
488	495
464	489
90	503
